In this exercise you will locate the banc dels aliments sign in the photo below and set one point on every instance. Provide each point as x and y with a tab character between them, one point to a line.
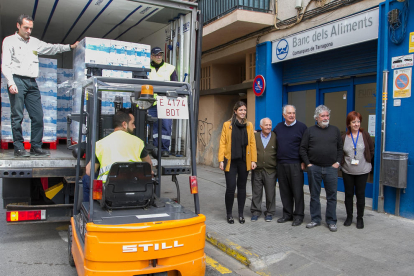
343	32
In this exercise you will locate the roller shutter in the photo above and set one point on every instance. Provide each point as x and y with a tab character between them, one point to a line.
343	62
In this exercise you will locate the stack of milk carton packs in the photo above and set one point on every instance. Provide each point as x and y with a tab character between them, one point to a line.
47	83
64	101
6	133
106	52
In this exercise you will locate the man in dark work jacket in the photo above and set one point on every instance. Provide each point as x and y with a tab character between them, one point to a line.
321	151
265	173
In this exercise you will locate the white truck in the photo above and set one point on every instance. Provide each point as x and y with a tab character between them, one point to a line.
172	25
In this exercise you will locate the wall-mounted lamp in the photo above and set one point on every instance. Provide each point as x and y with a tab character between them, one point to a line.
299	4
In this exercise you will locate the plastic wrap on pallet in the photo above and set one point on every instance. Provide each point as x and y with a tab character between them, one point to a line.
64	101
6	134
106	52
108	98
47	83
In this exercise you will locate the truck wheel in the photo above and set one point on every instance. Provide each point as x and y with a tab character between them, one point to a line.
71	261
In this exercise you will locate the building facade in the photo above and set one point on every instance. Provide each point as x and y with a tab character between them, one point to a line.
323	52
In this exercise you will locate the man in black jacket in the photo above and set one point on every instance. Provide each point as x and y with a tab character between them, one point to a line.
321	151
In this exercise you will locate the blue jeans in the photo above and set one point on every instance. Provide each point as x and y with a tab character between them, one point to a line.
86	181
329	176
166	130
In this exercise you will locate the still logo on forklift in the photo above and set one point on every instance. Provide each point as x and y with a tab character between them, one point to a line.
156	246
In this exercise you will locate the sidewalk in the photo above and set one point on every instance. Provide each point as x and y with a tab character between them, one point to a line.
384	247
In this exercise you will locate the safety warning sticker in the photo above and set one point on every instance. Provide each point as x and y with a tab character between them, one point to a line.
402	83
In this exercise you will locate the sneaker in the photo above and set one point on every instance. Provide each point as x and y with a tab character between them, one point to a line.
165	153
21	153
332	227
268	218
39	152
254	218
312	224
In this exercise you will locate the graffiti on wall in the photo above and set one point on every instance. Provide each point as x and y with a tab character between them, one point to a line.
204	133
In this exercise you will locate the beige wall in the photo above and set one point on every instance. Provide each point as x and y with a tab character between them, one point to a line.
224	75
251	106
214	110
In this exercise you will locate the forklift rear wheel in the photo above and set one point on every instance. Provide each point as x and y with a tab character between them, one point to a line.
71	261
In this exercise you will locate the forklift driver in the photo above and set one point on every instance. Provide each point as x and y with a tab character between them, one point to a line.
119	146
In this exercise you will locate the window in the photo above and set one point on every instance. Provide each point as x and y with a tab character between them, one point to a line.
365	104
251	66
305	103
205	78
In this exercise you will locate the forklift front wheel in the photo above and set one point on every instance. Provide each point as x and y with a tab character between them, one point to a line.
71	261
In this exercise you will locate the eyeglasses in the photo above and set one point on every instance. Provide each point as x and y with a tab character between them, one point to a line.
157	55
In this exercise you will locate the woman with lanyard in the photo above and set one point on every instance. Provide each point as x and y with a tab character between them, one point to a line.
356	166
237	156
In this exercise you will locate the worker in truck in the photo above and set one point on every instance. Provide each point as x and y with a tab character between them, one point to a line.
119	146
162	71
20	68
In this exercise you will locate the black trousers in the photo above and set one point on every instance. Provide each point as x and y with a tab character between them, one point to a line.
28	95
290	177
236	176
355	183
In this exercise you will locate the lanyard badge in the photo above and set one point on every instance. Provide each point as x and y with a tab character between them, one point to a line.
354	161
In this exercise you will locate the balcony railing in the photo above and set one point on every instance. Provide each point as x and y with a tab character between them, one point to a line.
214	9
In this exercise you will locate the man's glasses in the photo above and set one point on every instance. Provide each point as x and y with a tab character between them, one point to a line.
157	55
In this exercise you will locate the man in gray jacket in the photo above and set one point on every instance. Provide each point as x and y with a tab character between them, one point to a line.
265	173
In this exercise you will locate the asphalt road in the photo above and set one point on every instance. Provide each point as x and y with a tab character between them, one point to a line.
41	249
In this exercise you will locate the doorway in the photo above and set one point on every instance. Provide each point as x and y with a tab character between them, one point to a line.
341	97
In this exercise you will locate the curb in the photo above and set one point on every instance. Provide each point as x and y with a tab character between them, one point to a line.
230	248
241	254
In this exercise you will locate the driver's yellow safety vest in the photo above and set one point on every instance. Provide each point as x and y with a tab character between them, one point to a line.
118	146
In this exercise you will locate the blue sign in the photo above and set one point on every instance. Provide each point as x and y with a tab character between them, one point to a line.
259	85
282	49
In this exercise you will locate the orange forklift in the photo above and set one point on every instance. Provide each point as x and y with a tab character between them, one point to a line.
126	228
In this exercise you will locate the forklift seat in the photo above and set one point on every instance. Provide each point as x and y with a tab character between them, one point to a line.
128	185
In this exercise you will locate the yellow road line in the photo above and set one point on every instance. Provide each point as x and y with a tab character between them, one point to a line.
62	228
213	263
262	273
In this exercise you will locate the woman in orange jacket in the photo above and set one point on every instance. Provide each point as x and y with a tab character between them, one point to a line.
237	156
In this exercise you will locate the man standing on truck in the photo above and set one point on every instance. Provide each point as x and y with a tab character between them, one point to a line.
20	68
162	71
119	146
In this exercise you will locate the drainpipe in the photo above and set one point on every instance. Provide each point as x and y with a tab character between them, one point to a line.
384	111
